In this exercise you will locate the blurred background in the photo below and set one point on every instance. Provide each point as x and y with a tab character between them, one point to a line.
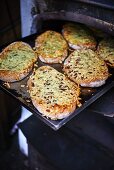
10	22
10	110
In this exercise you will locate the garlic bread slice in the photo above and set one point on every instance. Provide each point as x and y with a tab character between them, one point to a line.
86	68
16	61
51	47
106	51
78	36
52	93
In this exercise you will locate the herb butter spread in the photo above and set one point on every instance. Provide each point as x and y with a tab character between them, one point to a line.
16	61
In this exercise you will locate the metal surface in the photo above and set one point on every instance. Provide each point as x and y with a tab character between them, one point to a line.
102	3
91	12
91	21
105	104
19	91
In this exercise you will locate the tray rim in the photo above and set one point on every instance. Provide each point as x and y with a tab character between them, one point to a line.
54	124
65	120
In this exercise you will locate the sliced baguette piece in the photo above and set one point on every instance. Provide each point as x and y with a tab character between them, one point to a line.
52	93
51	47
16	61
78	36
105	51
86	68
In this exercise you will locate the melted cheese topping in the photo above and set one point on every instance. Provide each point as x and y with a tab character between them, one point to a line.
51	44
106	50
17	59
84	66
53	88
78	35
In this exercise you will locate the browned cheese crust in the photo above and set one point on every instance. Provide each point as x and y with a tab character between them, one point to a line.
51	47
16	61
106	51
78	36
86	68
52	93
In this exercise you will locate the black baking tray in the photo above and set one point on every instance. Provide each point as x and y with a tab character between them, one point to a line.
19	91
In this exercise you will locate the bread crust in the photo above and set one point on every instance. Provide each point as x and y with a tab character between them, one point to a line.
51	47
86	68
78	36
55	106
105	51
57	112
9	75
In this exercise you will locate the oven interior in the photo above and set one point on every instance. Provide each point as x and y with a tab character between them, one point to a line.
52	15
93	125
87	141
88	95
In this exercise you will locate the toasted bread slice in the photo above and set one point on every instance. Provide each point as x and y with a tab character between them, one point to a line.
86	68
51	47
16	61
106	51
78	36
52	93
